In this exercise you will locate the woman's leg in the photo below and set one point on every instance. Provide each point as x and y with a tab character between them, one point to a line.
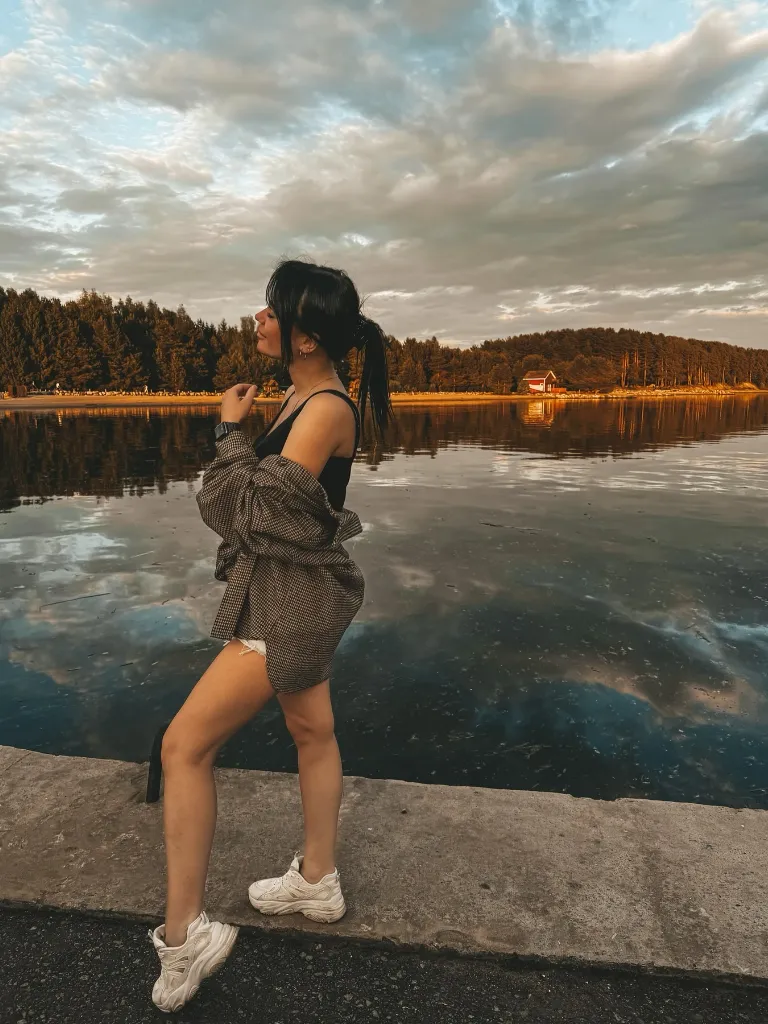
230	692
309	717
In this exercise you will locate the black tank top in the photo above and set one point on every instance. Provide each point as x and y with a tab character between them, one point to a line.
335	475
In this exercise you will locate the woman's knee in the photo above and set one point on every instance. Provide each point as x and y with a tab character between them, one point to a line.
307	730
182	748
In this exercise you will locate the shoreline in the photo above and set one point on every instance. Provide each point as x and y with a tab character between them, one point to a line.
36	403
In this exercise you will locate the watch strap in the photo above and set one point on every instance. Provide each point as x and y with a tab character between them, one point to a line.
225	427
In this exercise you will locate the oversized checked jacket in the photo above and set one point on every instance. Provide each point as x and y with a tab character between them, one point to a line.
290	582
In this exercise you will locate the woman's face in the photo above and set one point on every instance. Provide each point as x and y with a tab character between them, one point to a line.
268	334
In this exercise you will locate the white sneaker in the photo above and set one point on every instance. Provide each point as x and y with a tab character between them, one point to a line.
183	968
292	894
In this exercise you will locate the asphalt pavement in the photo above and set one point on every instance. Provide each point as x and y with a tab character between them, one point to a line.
61	968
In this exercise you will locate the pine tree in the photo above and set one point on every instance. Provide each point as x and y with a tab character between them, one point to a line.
42	364
75	370
11	358
165	346
230	369
124	371
12	348
412	376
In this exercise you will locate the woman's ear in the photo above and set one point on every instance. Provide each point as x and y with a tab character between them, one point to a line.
306	344
303	343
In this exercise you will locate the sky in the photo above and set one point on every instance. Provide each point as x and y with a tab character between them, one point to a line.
481	169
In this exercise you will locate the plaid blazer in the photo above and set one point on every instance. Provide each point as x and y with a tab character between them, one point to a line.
290	582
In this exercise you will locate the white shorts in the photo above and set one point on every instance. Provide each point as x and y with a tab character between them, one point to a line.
252	645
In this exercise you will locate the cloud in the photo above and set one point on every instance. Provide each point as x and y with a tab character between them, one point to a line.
566	22
480	169
612	101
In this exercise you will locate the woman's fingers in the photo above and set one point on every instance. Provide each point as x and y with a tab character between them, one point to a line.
242	390
237	401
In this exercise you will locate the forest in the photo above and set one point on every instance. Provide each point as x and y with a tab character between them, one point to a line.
96	343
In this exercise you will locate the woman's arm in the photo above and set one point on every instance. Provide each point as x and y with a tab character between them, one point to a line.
324	425
234	503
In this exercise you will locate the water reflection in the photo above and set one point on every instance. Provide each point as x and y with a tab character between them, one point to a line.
583	623
108	452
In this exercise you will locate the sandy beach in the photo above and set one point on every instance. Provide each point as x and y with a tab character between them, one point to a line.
39	403
114	401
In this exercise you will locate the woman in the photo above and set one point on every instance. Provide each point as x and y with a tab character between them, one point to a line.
292	590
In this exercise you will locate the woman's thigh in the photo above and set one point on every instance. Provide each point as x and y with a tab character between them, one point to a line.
229	693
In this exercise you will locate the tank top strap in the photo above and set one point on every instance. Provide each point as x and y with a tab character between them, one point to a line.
286	400
346	398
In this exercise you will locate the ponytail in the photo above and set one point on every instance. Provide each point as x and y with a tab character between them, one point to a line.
374	379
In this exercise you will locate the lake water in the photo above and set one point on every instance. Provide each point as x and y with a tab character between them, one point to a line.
567	597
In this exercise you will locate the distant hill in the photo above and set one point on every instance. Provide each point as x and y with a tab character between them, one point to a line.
97	342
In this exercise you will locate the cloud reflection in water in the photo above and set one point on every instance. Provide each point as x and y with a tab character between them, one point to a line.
583	613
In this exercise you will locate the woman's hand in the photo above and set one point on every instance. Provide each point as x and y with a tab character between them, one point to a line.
237	402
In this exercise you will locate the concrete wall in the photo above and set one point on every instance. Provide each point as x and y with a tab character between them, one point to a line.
633	882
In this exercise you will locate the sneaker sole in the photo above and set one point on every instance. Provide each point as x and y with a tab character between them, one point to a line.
314	910
203	968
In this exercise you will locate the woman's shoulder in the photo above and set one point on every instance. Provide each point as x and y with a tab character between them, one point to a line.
320	428
326	404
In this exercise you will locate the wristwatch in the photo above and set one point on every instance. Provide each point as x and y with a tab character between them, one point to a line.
225	427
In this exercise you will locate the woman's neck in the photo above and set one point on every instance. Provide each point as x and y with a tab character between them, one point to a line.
306	374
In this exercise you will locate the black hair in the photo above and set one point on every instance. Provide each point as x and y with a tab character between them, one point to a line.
324	304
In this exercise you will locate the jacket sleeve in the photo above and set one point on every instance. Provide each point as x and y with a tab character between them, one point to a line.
225	480
272	504
281	507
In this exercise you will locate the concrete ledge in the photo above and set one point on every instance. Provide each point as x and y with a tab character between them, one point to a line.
634	883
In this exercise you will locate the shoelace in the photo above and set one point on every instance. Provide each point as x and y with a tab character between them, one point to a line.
176	968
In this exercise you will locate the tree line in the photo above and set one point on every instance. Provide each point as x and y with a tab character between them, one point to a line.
96	343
